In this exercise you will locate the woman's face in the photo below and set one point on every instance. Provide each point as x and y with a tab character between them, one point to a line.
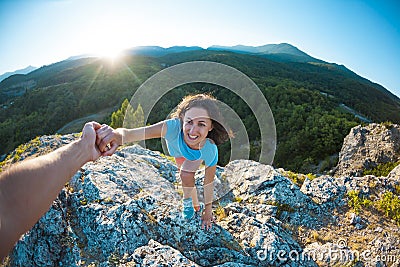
196	125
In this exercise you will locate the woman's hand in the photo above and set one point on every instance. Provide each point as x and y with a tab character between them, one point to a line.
108	140
207	218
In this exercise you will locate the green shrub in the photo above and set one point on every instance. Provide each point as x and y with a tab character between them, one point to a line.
296	178
311	176
388	124
390	205
382	169
281	207
356	201
220	213
238	199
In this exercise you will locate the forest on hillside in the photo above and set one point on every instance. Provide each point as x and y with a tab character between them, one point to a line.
305	100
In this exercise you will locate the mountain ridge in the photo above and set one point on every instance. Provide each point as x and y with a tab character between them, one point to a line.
306	98
19	71
158	51
280	52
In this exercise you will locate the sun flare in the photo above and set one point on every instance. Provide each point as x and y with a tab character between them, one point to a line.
111	54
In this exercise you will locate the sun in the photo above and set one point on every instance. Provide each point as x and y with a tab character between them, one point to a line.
110	53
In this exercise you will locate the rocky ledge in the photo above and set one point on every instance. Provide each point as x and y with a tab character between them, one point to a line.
124	210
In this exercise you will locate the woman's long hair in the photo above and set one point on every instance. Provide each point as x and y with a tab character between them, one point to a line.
220	132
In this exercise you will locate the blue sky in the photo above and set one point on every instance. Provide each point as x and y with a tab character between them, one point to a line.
362	35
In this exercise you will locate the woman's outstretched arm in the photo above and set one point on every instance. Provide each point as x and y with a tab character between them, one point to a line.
108	139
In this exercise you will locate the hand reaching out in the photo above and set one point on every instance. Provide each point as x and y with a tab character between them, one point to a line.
27	189
108	140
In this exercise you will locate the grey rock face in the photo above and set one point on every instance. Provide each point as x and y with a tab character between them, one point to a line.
156	254
124	210
395	174
366	147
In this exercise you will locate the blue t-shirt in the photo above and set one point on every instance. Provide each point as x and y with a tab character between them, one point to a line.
178	148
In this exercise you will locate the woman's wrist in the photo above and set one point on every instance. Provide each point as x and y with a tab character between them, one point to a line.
121	136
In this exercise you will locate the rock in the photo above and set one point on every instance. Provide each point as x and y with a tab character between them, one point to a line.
156	254
124	210
262	184
354	219
365	147
359	226
333	254
395	174
323	189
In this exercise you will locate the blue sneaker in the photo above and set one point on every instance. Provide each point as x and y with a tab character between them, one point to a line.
188	210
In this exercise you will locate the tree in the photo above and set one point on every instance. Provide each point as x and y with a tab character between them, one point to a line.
117	117
127	117
138	117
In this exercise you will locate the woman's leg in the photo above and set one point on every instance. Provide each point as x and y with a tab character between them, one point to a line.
188	185
187	170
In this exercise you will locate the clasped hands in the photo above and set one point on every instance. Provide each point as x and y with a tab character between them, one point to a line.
100	140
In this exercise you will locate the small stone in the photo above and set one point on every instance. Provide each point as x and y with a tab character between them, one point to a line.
354	219
359	226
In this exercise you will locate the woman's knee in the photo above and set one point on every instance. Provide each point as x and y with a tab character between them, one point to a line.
187	177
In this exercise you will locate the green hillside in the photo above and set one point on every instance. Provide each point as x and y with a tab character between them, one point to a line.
305	100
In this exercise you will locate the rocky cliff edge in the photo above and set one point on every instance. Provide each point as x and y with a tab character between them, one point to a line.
124	210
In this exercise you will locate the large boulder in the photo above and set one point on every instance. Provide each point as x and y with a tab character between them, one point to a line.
365	147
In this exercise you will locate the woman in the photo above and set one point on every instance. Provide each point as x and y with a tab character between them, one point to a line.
192	135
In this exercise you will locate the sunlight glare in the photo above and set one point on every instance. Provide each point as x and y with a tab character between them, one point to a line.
110	53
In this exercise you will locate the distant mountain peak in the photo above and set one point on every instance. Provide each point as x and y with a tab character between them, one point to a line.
21	71
278	52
